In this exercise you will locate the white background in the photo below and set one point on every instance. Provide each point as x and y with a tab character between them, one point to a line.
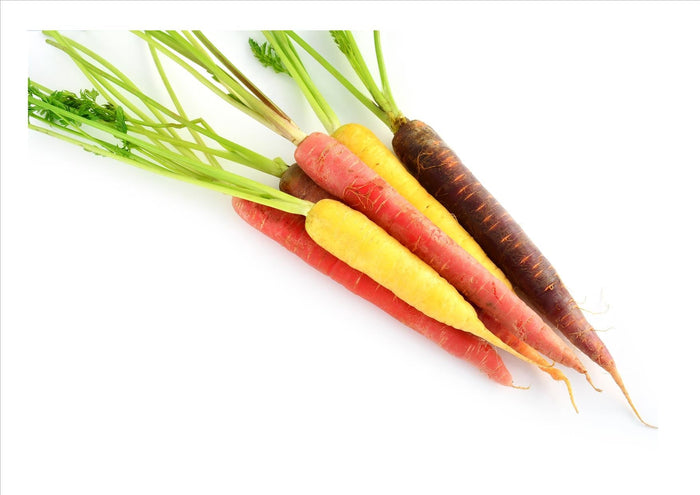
154	343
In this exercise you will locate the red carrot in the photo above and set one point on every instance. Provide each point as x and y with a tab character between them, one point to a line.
288	230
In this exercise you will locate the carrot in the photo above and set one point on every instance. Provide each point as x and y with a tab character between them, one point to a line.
288	230
345	233
444	176
360	186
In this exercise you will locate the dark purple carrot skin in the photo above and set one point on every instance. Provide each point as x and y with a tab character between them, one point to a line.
294	181
441	172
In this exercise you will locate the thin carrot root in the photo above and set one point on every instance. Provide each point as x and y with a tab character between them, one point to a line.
559	376
588	378
618	379
520	387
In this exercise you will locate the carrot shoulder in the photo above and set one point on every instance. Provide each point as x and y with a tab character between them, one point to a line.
288	230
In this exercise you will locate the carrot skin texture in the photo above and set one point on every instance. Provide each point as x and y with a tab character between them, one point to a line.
439	169
288	231
342	174
371	150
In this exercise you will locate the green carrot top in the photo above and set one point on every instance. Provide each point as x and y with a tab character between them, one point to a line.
226	81
136	129
380	100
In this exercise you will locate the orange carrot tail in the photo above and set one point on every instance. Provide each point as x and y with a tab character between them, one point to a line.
559	376
590	381
618	379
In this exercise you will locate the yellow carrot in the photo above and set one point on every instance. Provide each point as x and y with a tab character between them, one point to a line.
370	149
359	242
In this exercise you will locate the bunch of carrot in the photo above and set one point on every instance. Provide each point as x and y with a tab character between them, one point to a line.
439	170
348	207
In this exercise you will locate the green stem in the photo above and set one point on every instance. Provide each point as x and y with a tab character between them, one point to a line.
236	94
367	102
392	109
160	151
99	77
291	60
176	101
381	103
239	75
215	179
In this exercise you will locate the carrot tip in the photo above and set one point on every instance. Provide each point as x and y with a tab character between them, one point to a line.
559	376
618	379
588	377
571	393
520	387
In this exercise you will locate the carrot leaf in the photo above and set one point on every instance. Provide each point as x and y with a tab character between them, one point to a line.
267	56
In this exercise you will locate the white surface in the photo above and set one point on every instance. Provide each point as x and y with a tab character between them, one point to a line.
154	343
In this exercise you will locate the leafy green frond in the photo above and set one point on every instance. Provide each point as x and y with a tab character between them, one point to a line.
267	56
84	106
341	41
